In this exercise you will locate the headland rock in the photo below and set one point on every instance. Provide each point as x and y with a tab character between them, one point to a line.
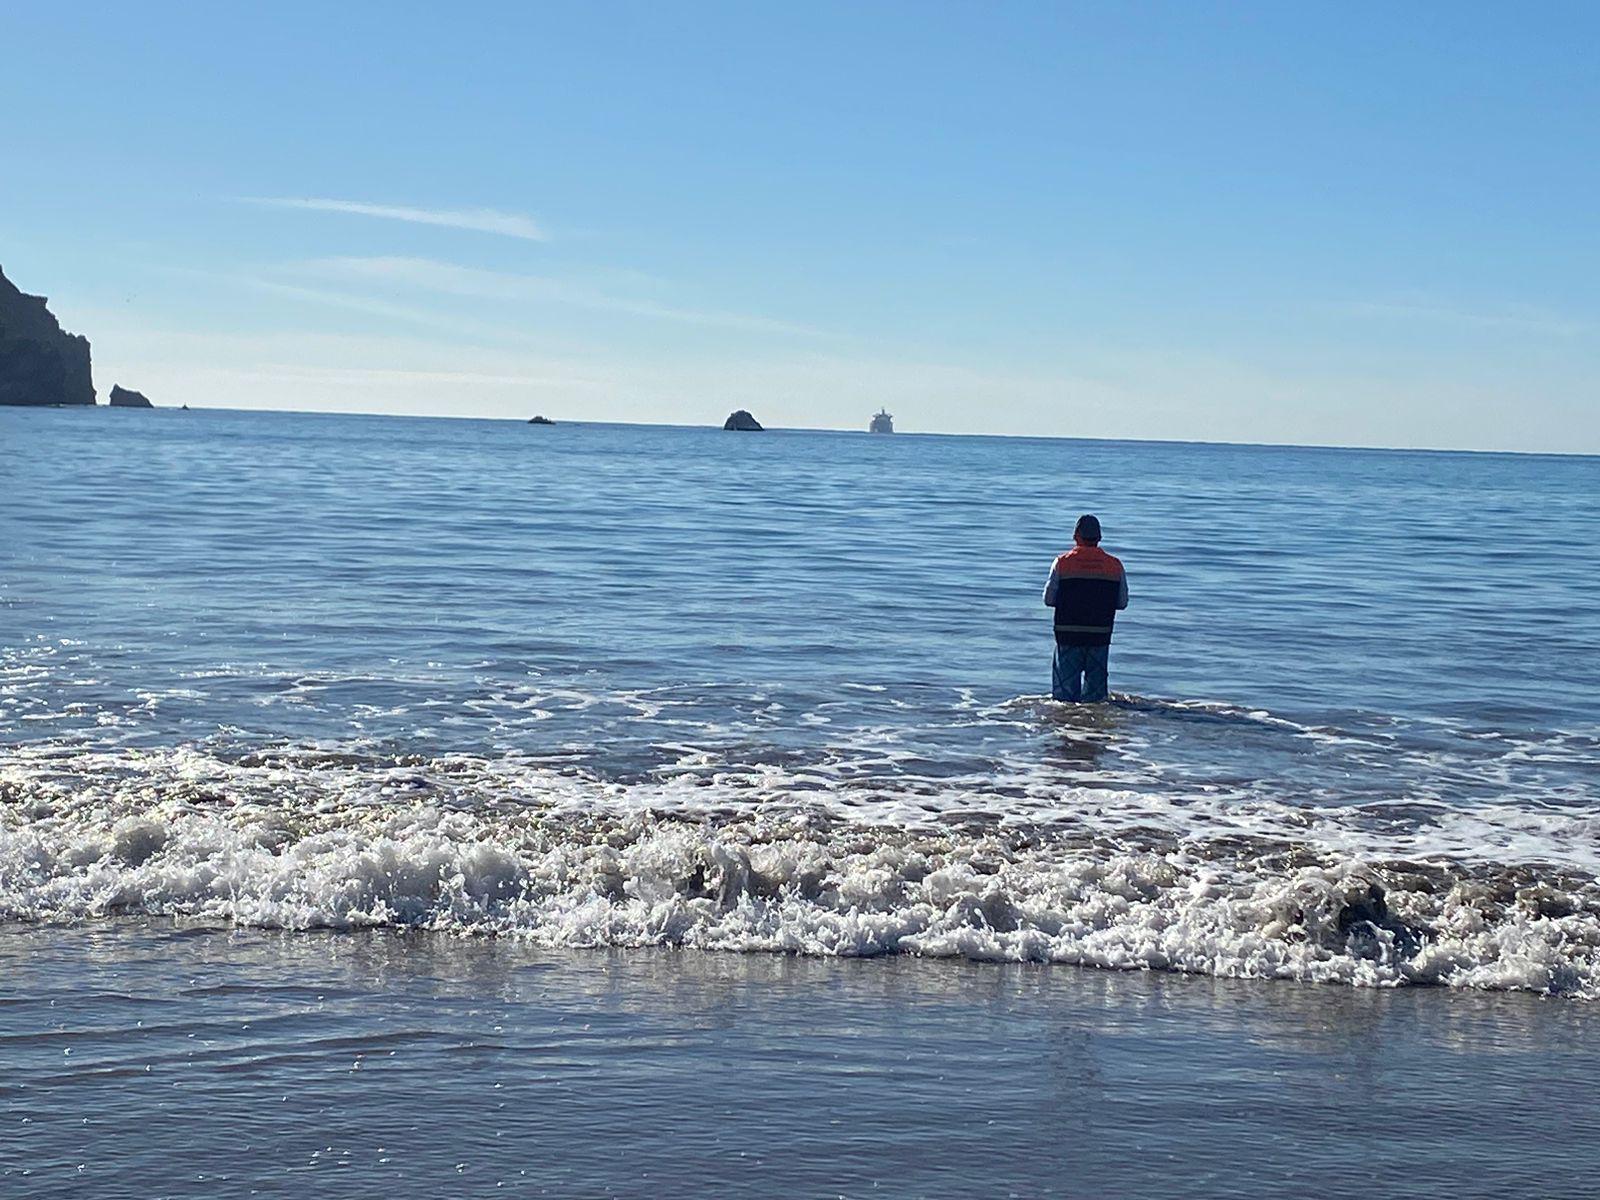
40	363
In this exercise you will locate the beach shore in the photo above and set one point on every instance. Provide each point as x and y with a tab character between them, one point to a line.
149	1059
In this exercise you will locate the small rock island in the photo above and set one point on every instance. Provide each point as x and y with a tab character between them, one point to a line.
743	421
540	420
122	397
40	363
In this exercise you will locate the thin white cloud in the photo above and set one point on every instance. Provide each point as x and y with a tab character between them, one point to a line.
480	220
1521	318
431	275
391	377
435	322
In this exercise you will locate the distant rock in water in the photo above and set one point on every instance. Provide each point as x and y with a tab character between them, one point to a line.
540	421
742	420
121	397
39	362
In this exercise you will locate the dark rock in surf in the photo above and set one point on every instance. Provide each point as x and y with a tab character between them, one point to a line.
743	421
122	397
40	363
1370	930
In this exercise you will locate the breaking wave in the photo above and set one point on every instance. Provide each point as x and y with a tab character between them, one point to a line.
308	837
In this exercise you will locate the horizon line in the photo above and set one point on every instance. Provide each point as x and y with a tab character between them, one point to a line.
1041	437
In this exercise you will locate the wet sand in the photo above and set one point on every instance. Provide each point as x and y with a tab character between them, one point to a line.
147	1060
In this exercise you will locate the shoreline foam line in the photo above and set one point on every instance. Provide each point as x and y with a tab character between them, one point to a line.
325	840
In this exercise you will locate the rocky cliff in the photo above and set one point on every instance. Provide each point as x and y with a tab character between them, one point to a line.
39	362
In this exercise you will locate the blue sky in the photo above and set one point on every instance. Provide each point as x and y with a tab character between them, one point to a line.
1358	224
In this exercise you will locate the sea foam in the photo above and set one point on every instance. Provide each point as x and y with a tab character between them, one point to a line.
315	838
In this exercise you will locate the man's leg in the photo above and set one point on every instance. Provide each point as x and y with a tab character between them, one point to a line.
1096	661
1065	672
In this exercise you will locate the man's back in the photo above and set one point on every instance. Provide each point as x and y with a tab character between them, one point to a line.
1087	588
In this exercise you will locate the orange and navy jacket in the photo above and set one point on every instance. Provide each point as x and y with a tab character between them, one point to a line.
1087	587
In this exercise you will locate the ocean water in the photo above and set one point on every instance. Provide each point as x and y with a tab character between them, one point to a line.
612	686
425	807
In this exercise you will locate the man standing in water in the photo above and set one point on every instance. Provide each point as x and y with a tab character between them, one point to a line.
1087	588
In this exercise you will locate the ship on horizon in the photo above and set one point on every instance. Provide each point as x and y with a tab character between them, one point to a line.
882	422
